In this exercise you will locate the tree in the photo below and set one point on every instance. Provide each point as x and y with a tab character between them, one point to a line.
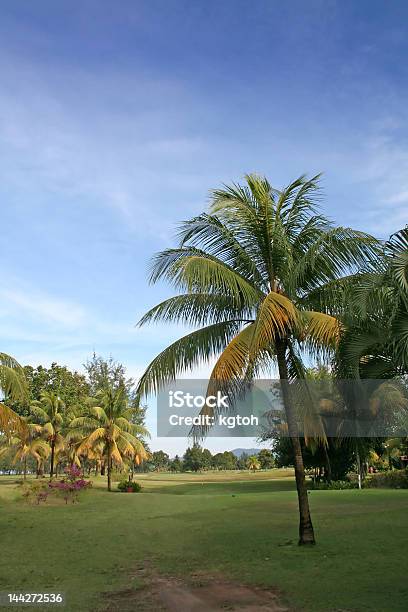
266	459
176	465
242	461
106	373
49	411
160	460
13	386
375	344
224	461
259	272
196	459
253	463
71	387
26	444
106	425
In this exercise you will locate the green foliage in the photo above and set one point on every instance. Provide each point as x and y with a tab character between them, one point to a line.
341	455
35	491
266	459
335	485
71	387
224	461
160	460
196	459
127	486
176	464
395	479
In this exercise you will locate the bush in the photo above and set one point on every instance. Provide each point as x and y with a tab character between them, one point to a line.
36	491
128	486
68	487
396	479
335	485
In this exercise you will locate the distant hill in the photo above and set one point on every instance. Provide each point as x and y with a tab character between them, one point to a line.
248	451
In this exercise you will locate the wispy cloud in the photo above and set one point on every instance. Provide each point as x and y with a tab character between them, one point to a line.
44	308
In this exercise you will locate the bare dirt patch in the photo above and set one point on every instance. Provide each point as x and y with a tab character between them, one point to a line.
196	593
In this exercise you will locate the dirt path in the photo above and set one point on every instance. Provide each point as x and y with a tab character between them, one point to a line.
198	593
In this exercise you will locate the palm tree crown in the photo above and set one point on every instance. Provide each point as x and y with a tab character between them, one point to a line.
262	266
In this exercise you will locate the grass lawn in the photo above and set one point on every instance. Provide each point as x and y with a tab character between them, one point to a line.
243	526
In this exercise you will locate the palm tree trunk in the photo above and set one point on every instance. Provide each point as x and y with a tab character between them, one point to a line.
358	468
306	533
25	468
52	458
109	468
328	472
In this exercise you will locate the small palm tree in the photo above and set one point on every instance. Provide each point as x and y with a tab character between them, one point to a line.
49	413
12	386
253	463
106	429
27	443
261	275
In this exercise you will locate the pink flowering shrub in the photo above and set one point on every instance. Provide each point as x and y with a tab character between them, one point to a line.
70	486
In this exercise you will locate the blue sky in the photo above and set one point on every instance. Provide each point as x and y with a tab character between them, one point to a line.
117	118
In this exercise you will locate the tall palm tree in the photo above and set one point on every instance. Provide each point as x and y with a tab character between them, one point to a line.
49	411
26	443
12	386
106	428
260	272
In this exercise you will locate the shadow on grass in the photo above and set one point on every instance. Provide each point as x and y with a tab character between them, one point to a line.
225	488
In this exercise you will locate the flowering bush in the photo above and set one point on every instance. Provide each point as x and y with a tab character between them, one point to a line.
70	486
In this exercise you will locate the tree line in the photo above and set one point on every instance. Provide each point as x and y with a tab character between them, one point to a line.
197	459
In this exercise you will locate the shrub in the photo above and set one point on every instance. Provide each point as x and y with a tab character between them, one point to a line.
36	491
70	486
335	485
128	486
396	479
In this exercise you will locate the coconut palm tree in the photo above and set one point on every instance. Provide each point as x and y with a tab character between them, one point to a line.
12	386
375	344
26	443
261	272
49	411
106	429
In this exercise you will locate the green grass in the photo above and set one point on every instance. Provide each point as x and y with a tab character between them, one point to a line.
241	525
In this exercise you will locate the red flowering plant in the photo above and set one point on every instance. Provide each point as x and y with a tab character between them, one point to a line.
70	486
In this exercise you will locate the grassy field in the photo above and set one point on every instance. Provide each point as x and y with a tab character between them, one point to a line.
238	525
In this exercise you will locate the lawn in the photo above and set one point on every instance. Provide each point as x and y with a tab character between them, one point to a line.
242	526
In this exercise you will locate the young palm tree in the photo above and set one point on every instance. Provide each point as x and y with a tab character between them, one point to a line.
107	429
260	272
49	412
12	386
25	444
253	463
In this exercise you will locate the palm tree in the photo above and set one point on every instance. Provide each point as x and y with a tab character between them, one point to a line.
375	344
26	443
106	429
12	386
260	272
253	463
49	412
